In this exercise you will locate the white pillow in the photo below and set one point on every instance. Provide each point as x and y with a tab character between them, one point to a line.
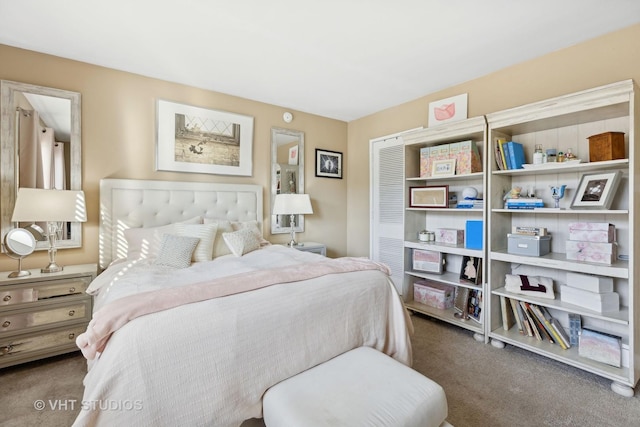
206	233
145	242
242	241
253	226
175	251
219	246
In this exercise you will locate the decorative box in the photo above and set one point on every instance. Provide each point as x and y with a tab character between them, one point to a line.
601	253
429	261
600	347
606	146
601	232
589	282
519	244
433	294
425	162
468	158
473	234
609	301
450	236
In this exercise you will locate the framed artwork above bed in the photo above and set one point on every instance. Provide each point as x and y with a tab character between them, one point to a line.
200	140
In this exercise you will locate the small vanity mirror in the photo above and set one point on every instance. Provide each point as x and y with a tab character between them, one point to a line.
40	147
287	173
19	243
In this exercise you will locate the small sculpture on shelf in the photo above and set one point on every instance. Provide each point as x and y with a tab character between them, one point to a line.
557	193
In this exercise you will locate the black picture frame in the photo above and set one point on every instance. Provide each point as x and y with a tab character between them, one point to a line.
328	163
471	269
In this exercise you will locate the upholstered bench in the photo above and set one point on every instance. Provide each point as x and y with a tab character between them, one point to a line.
362	387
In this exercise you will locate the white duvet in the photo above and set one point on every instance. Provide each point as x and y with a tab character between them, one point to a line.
209	363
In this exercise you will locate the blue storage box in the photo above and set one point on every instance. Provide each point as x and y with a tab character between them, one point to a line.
473	234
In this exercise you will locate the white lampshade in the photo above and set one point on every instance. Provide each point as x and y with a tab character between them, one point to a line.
292	204
36	204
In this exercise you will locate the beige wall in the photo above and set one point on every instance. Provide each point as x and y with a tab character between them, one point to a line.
118	141
607	59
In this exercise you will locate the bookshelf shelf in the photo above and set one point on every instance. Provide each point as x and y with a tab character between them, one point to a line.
416	143
562	123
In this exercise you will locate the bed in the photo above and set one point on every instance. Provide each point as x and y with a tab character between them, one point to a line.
209	361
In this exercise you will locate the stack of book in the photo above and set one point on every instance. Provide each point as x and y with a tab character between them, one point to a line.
471	204
524	203
534	321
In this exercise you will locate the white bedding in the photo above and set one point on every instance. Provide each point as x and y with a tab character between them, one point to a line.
209	363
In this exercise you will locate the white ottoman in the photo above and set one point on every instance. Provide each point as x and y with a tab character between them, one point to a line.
362	387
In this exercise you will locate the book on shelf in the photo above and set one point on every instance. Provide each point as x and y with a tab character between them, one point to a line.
561	332
539	325
546	323
575	326
503	156
516	315
532	331
524	203
507	314
529	231
516	155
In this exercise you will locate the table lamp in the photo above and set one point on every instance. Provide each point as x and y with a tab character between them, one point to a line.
292	204
55	207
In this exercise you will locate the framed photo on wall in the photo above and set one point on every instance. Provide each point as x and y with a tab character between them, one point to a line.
328	164
596	191
200	140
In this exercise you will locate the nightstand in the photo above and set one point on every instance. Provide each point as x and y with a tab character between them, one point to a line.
42	314
315	247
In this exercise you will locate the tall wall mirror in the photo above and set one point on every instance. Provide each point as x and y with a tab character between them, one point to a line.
287	173
40	147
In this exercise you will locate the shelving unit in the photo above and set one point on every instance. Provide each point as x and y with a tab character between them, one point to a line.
561	123
417	219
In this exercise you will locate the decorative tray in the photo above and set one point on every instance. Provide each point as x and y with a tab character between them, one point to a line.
552	165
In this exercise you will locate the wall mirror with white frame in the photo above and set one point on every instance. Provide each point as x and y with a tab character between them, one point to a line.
287	174
40	147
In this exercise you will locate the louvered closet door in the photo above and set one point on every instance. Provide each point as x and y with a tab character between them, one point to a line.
387	205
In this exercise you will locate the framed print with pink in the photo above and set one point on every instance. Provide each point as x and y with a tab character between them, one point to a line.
448	110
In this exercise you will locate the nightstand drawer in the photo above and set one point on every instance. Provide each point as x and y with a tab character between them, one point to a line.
56	288
45	315
18	346
18	296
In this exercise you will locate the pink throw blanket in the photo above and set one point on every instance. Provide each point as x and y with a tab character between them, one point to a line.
116	314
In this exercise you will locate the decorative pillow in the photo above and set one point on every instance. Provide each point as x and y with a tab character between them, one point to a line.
242	241
219	246
206	233
175	251
253	226
537	286
145	242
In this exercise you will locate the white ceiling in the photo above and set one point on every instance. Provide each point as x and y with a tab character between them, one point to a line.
342	59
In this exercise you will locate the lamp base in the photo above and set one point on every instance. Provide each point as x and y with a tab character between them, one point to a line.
21	273
52	268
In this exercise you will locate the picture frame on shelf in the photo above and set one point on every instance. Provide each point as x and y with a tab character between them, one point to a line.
443	168
430	196
461	303
471	269
474	307
202	140
596	191
448	110
328	164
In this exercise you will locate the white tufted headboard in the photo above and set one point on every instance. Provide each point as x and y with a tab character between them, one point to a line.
128	203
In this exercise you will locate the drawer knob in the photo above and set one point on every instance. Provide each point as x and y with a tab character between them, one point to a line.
72	290
7	298
72	336
72	312
6	350
6	324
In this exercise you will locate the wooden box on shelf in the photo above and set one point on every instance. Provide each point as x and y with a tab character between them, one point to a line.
606	146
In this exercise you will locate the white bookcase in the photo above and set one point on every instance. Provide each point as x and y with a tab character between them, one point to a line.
417	219
566	122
